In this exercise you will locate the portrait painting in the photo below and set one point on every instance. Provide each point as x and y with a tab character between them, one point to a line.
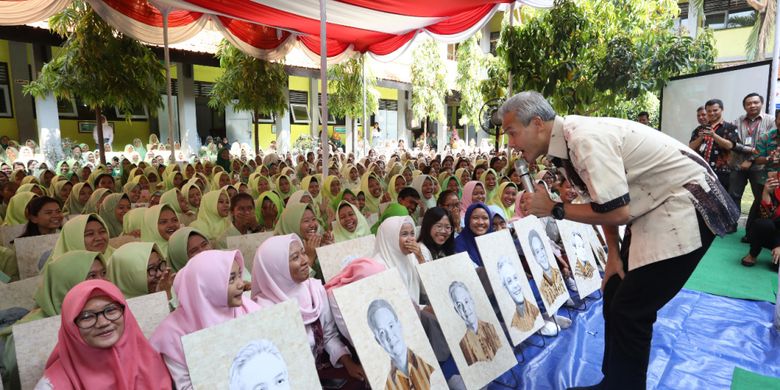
334	257
597	246
471	328
511	288
266	349
387	334
247	244
580	256
542	263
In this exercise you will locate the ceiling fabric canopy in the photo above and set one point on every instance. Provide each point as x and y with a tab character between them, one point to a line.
269	29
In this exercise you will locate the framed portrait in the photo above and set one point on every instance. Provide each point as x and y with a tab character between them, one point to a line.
334	257
136	113
67	108
386	332
598	248
300	113
511	288
582	263
265	349
471	328
247	244
88	126
541	261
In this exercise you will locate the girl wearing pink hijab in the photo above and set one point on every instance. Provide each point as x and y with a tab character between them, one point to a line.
210	292
101	346
473	191
281	272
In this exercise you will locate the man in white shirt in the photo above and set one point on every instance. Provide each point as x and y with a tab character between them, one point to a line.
108	133
631	175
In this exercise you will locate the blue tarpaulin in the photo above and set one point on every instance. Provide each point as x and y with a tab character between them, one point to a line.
698	340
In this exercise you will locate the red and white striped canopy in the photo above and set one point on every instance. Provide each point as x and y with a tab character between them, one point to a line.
270	28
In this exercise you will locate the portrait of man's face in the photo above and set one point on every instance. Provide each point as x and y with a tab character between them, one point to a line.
511	280
540	255
464	305
388	331
580	246
259	365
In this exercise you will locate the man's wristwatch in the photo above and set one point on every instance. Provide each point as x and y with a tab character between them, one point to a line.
558	212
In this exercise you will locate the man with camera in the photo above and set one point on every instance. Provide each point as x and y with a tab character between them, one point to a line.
715	141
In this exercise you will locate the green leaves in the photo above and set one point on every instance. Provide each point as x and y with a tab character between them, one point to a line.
429	86
345	80
586	55
258	85
471	65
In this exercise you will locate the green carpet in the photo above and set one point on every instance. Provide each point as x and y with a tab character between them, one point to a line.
720	272
746	380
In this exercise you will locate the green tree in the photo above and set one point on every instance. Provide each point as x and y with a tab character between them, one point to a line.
763	24
429	85
345	80
471	69
585	55
100	67
252	84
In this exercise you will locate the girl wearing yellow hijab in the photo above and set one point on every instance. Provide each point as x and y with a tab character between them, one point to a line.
395	185
489	179
505	198
350	223
178	203
84	232
139	268
284	187
221	179
193	194
94	201
133	221
269	207
160	222
371	187
113	211
15	213
77	199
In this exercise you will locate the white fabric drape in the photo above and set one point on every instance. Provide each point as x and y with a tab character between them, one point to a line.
269	55
144	32
29	11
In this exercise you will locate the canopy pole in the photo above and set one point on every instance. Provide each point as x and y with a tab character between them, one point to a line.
365	117
509	72
167	56
775	59
324	81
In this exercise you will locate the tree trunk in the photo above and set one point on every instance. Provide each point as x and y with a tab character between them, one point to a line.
101	146
257	133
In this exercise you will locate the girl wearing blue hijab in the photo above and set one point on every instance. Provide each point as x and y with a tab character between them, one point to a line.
478	221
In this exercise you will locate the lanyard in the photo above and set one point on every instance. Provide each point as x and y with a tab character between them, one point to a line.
751	128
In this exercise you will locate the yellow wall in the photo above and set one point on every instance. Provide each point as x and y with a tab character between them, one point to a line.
206	73
8	126
387	93
731	43
124	132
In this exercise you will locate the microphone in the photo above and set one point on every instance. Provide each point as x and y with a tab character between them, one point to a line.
521	166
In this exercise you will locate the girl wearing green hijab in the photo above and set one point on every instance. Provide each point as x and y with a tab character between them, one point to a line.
59	277
392	210
214	218
178	203
60	190
452	183
14	214
395	185
221	179
284	187
32	187
113	211
160	222
77	199
133	191
84	232
350	223
95	200
173	180
139	268
258	184
371	187
184	245
133	221
301	220
269	209
193	195
331	188
489	179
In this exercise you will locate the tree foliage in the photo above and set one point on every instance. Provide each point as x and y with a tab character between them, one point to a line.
763	24
429	86
471	69
249	83
99	66
345	80
585	55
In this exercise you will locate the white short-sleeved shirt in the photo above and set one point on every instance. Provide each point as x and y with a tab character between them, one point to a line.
616	162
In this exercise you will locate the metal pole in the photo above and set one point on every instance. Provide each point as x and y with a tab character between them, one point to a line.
365	117
324	81
775	55
167	56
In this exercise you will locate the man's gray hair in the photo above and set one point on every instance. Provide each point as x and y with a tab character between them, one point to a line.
247	352
502	263
374	307
526	105
457	284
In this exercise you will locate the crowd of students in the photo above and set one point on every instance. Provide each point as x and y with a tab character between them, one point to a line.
170	223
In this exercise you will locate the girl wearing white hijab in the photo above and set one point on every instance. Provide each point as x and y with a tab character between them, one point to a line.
397	247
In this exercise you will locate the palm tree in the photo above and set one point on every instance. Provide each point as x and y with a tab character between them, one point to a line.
755	48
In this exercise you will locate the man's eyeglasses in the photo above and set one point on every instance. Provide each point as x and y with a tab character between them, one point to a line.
88	319
154	269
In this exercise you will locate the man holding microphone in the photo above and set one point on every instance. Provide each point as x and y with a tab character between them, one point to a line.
632	175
